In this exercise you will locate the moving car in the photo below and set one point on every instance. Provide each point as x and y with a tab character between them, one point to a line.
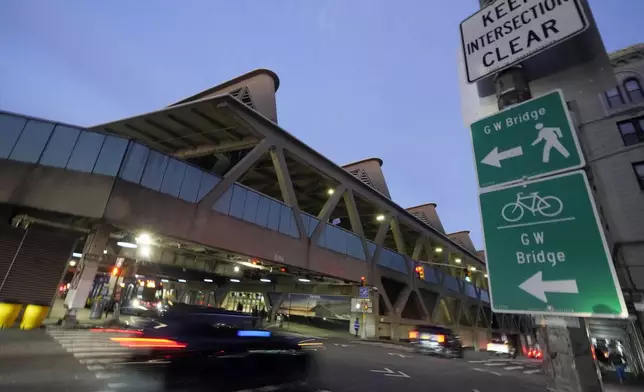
202	348
436	340
500	347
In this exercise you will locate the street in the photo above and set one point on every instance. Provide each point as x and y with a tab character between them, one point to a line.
78	361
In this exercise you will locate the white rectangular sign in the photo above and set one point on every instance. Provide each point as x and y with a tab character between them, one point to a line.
509	31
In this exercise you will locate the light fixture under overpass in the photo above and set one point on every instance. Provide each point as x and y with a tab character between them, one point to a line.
380	218
305	280
235	280
208	280
72	263
182	280
76	254
265	280
251	265
125	244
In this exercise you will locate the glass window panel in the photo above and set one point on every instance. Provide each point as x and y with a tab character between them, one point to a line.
173	177
293	230
59	147
135	158
10	128
354	247
321	241
261	218
154	170
634	90
238	201
430	275
306	219
340	244
274	212
190	185
371	247
223	203
285	219
112	152
399	263
208	181
86	151
451	283
250	207
485	297
313	224
31	142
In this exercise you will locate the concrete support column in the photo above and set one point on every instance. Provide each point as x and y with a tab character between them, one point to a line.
83	279
568	363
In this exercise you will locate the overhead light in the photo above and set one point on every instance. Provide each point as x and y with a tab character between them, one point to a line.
357	306
472	268
72	263
182	280
236	269
165	280
380	218
144	239
76	254
458	260
125	244
468	279
485	275
438	249
304	280
144	251
104	251
265	280
122	284
208	280
251	265
234	280
330	191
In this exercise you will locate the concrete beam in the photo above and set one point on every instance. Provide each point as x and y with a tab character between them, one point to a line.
401	301
286	186
325	212
209	149
235	174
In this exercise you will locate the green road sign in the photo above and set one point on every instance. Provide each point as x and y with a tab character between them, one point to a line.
526	141
546	252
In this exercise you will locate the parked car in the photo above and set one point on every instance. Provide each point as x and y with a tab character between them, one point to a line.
436	341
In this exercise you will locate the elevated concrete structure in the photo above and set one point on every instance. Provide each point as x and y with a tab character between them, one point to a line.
271	201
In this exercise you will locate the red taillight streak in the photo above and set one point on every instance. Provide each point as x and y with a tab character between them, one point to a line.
112	330
148	343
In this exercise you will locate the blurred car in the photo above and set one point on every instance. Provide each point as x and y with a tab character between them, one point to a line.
535	353
436	340
202	348
500	347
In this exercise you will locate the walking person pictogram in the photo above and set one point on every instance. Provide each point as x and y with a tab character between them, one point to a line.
551	137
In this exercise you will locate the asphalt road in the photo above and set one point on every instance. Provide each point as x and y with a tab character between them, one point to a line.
74	361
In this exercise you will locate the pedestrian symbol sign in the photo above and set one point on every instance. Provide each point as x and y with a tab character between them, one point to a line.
545	249
526	141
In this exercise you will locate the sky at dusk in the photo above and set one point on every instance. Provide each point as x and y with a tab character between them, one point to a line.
359	78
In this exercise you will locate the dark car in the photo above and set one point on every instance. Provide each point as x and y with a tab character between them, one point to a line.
203	348
436	340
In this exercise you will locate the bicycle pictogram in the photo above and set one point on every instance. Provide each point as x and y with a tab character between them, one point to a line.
548	206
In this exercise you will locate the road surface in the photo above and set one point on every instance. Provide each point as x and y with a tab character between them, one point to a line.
74	361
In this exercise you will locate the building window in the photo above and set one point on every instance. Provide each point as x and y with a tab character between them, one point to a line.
634	90
639	173
632	131
614	97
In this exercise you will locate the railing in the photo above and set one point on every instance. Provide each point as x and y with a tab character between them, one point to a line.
310	223
470	291
339	240
432	275
451	282
393	260
485	297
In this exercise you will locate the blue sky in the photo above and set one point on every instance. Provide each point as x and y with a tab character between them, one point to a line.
360	78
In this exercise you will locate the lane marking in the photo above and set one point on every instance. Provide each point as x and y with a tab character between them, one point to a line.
93	368
495	364
533	371
116	385
486	371
104	375
514	367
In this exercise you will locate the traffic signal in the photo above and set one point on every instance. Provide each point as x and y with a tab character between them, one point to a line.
363	281
468	275
420	272
116	271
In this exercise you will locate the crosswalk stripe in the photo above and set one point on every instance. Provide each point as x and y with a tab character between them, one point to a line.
82	349
103	361
513	367
495	364
93	354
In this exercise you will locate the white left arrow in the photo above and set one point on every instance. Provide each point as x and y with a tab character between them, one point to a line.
495	157
536	286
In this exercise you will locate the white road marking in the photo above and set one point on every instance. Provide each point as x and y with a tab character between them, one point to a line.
533	371
486	371
94	368
104	375
116	385
93	354
495	364
513	367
